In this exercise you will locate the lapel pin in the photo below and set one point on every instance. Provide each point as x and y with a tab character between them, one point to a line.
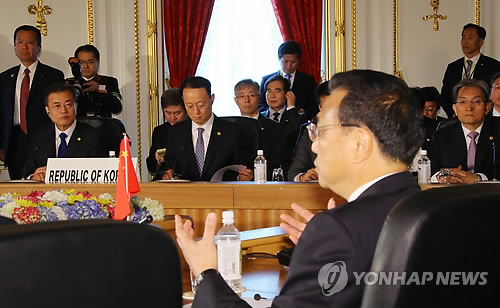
219	133
78	139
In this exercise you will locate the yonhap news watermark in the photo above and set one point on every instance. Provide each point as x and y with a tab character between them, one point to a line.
333	278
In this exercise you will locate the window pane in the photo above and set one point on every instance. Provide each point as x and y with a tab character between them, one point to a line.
242	42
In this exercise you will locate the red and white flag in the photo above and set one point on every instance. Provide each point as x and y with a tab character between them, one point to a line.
127	185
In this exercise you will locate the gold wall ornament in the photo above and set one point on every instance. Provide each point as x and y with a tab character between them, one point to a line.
353	34
40	11
152	67
90	21
395	43
478	12
340	61
138	85
435	15
328	39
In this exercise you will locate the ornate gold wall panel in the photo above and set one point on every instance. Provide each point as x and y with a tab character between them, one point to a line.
152	66
353	34
478	12
340	61
90	20
138	85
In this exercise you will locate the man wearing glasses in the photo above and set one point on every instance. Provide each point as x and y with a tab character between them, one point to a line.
101	93
467	147
495	95
363	157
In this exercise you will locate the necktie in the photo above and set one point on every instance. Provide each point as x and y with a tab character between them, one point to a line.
471	153
468	70
199	151
276	116
289	78
63	146
25	92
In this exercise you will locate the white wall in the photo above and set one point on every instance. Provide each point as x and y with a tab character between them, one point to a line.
423	53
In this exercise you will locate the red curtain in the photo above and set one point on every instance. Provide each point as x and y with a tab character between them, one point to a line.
186	26
300	20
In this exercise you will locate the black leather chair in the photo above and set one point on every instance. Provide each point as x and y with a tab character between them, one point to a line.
100	263
111	129
250	143
445	230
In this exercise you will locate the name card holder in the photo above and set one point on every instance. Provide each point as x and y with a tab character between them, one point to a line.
83	170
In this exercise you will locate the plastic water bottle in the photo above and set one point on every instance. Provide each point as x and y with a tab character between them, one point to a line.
260	168
424	168
229	252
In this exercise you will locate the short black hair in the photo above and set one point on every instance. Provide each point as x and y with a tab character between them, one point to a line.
430	94
481	32
417	96
322	90
289	48
495	77
172	97
283	80
57	88
196	82
246	83
88	48
29	28
382	103
471	83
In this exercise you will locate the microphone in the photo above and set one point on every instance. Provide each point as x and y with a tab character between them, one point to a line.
257	297
494	148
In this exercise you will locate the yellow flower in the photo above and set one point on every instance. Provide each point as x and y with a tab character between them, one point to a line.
48	204
73	198
69	191
25	203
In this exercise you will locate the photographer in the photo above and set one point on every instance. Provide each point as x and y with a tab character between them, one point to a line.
100	94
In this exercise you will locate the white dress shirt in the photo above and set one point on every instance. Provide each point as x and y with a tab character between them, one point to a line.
206	133
474	62
68	132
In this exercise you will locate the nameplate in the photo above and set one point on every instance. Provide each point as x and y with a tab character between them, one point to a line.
83	170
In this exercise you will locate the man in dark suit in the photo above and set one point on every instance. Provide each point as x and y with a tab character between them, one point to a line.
21	97
198	147
174	112
467	146
473	65
301	84
101	95
282	109
495	95
363	157
64	137
246	96
302	167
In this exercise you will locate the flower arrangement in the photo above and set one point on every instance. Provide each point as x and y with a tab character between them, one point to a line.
55	205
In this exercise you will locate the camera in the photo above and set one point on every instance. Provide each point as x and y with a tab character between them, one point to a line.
77	80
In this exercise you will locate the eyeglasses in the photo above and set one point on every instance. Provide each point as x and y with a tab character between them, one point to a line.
314	130
88	62
250	96
475	102
197	105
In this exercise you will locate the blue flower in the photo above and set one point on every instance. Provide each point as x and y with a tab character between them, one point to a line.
47	214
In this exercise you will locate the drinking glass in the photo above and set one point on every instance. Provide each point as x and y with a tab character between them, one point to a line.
278	175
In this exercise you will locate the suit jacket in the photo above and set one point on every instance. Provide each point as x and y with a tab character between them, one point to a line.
303	158
158	141
270	141
290	123
449	148
484	70
84	142
347	233
303	88
99	103
223	150
36	116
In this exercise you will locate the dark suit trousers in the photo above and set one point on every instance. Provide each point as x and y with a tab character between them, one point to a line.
16	155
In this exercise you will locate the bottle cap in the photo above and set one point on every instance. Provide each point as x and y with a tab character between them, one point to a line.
423	152
111	153
260	152
227	217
